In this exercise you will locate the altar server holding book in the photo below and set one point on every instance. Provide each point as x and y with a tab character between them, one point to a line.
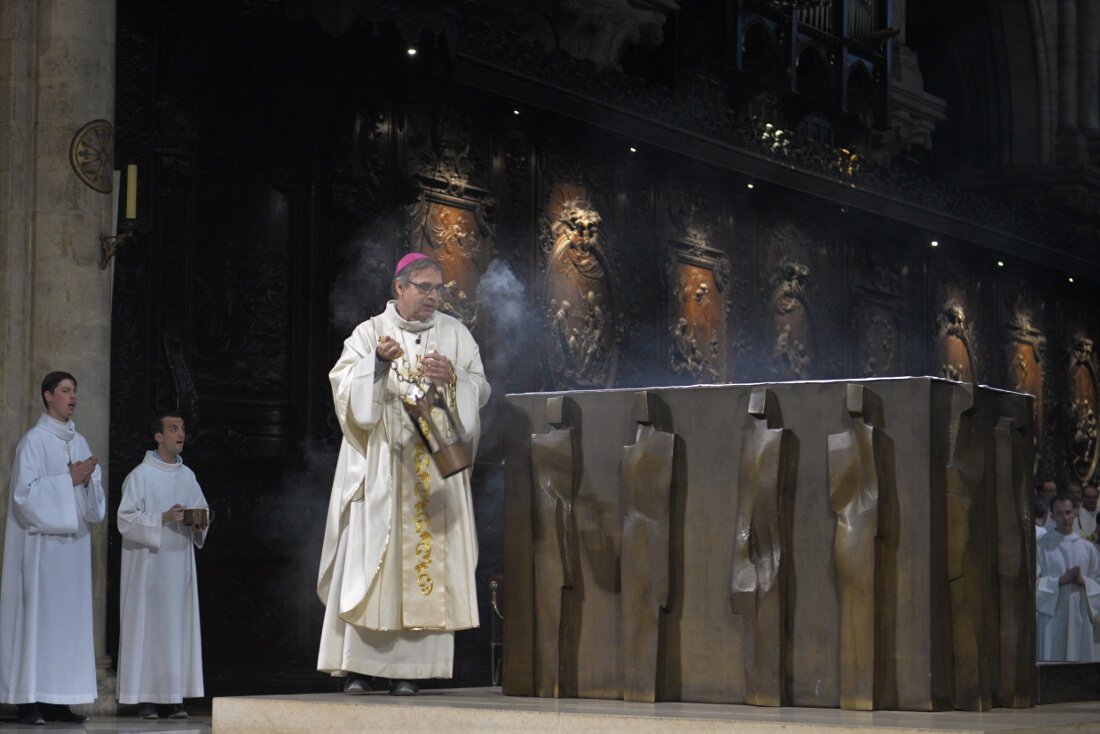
160	643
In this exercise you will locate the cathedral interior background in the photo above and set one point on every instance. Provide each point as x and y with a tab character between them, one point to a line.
622	193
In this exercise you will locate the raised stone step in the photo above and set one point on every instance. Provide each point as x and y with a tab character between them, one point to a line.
486	709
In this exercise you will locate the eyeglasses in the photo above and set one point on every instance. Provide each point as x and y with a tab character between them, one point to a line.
426	288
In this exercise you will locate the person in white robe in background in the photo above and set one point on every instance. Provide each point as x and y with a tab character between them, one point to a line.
160	642
1041	514
400	548
1085	524
47	652
1067	595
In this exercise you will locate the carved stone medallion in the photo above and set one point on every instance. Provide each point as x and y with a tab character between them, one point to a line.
90	154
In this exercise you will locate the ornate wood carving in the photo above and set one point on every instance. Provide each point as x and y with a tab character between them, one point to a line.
875	321
457	232
955	357
1083	406
698	281
792	334
578	293
452	217
789	328
1026	349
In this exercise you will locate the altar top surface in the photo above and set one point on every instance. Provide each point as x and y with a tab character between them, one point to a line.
728	385
486	709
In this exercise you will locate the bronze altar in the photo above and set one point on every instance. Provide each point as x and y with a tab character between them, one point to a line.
861	544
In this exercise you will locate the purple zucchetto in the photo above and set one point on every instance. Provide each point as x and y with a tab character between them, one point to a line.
408	260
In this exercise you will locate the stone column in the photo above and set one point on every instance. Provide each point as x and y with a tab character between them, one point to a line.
17	103
58	72
914	113
1088	73
1070	142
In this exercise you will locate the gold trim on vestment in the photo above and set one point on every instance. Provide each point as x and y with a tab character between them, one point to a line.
423	521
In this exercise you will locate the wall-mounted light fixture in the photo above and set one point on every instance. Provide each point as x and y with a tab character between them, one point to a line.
109	244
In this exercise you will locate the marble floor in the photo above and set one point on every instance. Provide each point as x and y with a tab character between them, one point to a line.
196	724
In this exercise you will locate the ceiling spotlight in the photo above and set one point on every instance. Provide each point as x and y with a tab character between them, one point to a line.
1000	263
515	112
1071	279
935	243
633	149
749	186
411	51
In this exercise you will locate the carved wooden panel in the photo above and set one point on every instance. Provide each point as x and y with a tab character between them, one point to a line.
698	281
455	231
792	335
955	358
789	327
451	217
577	293
1083	407
1025	351
874	320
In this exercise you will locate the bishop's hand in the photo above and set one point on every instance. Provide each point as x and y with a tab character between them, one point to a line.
388	349
438	368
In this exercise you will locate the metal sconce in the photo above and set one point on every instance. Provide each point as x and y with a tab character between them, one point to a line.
109	244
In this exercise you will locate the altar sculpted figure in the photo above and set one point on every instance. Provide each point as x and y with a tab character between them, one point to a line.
553	465
647	479
759	562
965	572
1014	448
858	479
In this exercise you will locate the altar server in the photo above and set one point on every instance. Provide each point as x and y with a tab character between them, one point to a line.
160	644
1068	589
47	653
400	547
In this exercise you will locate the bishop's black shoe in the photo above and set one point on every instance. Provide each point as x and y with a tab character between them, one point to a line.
357	686
29	715
403	688
147	711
